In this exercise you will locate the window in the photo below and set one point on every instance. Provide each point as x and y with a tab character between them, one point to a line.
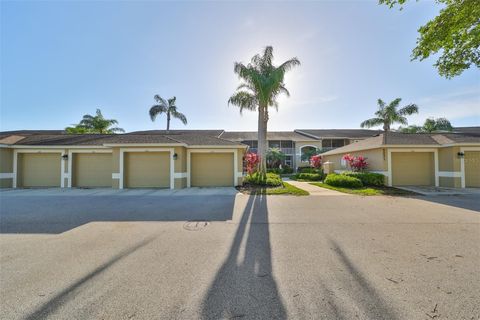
333	143
274	144
286	144
289	161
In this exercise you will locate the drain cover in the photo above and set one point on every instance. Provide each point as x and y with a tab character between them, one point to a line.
195	225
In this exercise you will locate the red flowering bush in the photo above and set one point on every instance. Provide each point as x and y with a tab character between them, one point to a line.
251	162
316	161
356	163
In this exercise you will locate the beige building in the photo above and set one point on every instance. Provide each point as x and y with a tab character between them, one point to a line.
155	159
437	159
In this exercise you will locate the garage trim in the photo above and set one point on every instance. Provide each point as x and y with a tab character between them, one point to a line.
435	162
70	160
462	163
15	163
172	163
235	160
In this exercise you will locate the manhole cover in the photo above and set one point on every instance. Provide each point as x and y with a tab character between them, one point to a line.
195	225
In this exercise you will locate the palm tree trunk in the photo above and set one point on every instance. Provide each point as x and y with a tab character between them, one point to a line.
262	139
168	121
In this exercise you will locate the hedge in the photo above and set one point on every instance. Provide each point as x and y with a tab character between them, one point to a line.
270	180
368	178
308	176
344	181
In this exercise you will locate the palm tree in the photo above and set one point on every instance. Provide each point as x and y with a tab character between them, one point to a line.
169	107
390	114
262	82
429	126
95	124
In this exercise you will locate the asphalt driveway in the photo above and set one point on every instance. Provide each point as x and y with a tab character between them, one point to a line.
327	256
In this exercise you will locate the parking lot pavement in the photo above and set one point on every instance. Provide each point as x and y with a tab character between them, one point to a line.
257	257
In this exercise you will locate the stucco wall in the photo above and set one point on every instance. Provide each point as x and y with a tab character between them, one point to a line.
6	166
448	159
376	159
450	182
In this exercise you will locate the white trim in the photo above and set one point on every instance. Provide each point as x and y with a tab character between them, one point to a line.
216	150
9	175
462	162
172	162
70	160
450	174
15	163
180	175
116	176
213	147
155	145
435	162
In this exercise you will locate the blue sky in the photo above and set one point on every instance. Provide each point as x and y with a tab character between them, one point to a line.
60	60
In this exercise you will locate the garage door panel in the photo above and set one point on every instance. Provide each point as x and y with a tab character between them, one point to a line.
39	170
92	170
147	169
472	169
413	169
212	169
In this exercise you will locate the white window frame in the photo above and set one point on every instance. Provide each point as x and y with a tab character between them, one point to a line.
462	163
15	163
172	162
236	174
421	150
70	160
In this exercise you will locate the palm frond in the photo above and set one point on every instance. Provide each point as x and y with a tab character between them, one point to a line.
289	64
155	110
244	100
179	116
408	110
373	122
160	100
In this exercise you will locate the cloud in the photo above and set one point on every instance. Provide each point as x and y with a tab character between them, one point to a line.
456	105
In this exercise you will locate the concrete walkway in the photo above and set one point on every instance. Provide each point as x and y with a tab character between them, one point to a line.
314	190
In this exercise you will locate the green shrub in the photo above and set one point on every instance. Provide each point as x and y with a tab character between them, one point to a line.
344	181
308	176
270	180
287	170
368	178
274	170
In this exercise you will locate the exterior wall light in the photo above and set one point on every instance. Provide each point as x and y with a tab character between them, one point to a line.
175	156
65	157
460	154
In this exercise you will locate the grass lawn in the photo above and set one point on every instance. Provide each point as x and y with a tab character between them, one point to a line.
287	189
367	191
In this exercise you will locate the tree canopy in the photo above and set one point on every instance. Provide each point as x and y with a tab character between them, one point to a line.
95	124
430	125
386	115
168	107
454	34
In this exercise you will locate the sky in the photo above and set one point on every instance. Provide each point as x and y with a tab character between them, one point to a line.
61	60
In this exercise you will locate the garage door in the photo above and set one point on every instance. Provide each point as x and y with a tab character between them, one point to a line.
472	169
39	170
147	169
211	169
413	169
92	170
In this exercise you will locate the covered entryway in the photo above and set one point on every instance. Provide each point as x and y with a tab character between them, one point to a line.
472	169
413	169
212	169
91	170
147	169
39	170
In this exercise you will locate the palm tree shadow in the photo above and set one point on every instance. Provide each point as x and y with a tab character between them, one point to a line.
244	286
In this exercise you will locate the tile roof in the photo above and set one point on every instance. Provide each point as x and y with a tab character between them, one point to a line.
214	133
407	139
271	135
339	133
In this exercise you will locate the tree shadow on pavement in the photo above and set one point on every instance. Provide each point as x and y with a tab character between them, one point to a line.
52	305
244	286
360	291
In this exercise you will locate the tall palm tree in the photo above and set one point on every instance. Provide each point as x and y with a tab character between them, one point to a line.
95	124
168	107
390	114
262	82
